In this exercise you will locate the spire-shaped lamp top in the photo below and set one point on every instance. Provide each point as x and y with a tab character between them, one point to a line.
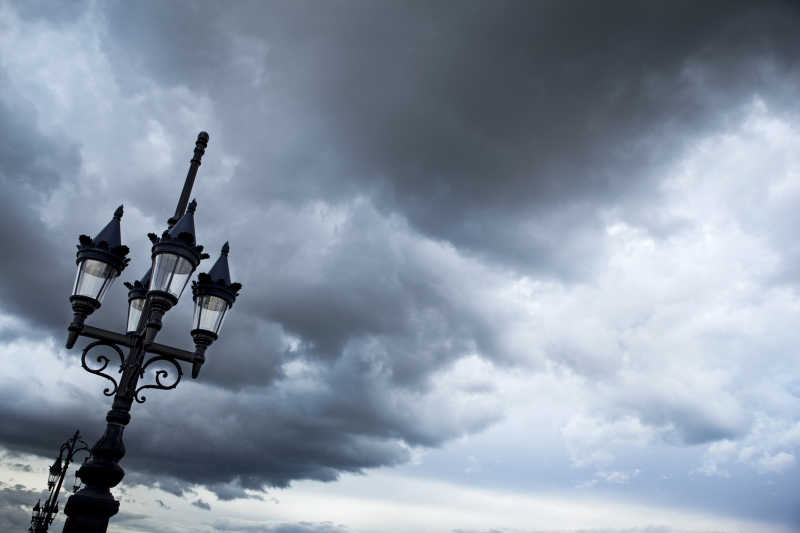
220	272
184	228
107	246
217	281
180	239
138	289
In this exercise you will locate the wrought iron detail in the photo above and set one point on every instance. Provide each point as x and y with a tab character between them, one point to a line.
104	361
89	509
160	374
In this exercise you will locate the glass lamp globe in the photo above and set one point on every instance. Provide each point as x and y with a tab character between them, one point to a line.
135	309
175	256
93	279
209	313
171	273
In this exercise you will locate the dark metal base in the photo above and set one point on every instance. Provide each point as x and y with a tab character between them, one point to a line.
89	511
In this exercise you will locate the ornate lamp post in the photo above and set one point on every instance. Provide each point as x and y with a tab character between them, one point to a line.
43	515
175	256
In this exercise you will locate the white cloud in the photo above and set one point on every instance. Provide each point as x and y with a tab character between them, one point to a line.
779	462
593	441
769	448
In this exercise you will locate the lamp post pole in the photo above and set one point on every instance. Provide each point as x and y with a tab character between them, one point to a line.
175	256
43	515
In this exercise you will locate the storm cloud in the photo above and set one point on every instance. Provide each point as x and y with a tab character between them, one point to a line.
419	197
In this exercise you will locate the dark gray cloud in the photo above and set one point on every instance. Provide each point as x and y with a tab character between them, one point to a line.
505	129
64	12
22	467
32	164
347	419
501	130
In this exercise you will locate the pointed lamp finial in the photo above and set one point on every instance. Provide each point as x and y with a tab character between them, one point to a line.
111	231
226	248
185	226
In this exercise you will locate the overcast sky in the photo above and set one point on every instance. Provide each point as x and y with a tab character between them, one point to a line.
514	267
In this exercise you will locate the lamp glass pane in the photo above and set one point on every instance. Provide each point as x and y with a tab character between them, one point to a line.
93	279
170	274
135	308
209	313
55	472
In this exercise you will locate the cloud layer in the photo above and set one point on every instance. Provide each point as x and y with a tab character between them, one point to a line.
424	203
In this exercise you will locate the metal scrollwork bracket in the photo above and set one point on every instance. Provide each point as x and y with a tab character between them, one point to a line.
104	361
160	374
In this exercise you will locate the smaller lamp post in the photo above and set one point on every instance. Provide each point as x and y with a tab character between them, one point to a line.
43	515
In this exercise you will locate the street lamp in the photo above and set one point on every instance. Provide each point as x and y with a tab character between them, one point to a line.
175	256
55	473
43	515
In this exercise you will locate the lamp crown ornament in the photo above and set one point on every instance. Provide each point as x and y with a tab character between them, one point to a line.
137	295
141	284
217	282
180	239
107	245
184	229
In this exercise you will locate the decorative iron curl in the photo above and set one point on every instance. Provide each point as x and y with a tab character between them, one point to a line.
82	448
104	361
160	373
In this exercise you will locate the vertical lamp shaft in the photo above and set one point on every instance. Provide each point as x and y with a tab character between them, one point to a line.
199	150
